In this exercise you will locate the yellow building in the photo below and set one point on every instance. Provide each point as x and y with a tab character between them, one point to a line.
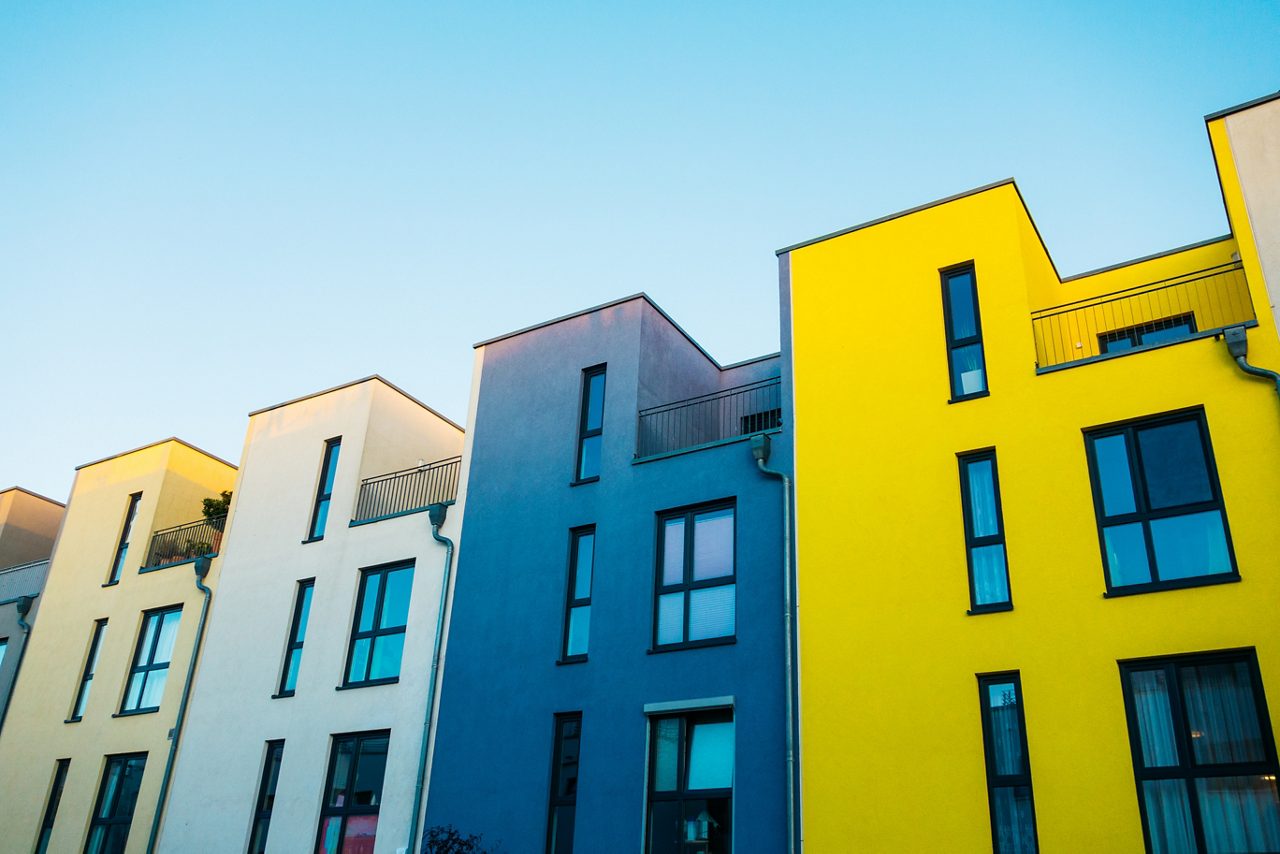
1038	532
85	745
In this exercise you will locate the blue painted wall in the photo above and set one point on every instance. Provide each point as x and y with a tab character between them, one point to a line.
502	686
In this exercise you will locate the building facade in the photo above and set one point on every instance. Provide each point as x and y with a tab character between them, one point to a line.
1037	535
29	526
307	722
615	677
84	750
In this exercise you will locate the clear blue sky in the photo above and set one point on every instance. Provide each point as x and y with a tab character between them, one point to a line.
209	208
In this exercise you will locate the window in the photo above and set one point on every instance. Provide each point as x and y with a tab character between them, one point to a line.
984	533
1004	735
1152	332
90	666
4	647
324	492
377	639
577	616
564	783
113	812
965	358
1159	505
122	548
51	807
591	424
1203	753
691	784
353	793
151	661
696	577
266	797
297	634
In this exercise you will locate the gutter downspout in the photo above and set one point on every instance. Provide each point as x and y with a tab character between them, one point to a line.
202	566
1238	347
23	604
437	513
760	449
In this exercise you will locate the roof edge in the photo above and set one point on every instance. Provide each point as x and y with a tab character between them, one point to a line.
346	385
27	565
17	488
155	444
1239	108
1154	255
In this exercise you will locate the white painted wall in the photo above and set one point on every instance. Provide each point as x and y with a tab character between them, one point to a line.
1255	145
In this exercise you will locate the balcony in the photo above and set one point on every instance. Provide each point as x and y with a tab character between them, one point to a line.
710	419
409	491
1182	308
185	542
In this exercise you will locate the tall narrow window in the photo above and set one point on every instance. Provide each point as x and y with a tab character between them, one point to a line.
577	618
1161	521
51	806
1203	753
564	783
353	793
151	661
90	667
984	533
297	634
382	612
122	547
691	784
324	492
591	424
266	797
1004	733
965	358
696	580
113	811
4	647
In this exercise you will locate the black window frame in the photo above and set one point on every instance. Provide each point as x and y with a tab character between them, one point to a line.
267	782
374	632
996	780
294	644
88	672
571	602
1186	768
1133	334
971	542
332	453
122	544
60	769
953	343
94	820
349	808
1142	512
682	793
151	667
584	407
688	584
556	800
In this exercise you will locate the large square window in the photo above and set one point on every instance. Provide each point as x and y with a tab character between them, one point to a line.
691	765
353	794
696	577
382	613
151	659
113	810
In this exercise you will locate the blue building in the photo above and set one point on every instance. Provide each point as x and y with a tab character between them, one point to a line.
615	663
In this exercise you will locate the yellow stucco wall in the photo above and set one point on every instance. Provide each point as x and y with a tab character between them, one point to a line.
892	751
172	478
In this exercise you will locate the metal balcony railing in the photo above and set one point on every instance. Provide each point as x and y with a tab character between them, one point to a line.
714	417
407	491
184	542
1180	308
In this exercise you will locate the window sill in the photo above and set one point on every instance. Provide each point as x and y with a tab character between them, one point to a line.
132	712
111	584
573	659
962	398
282	695
698	644
994	608
1178	584
584	480
351	686
313	539
73	720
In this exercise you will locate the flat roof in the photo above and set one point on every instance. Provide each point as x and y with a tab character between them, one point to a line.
154	444
32	494
369	378
1256	102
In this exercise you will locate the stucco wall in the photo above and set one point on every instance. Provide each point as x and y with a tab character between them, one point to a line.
1255	145
26	580
28	527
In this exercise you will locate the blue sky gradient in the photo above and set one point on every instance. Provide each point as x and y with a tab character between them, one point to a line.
210	208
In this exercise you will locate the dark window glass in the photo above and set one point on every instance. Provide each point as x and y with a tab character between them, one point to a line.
577	619
1203	753
564	784
696	578
266	797
1144	334
1158	503
113	811
151	660
324	492
984	532
90	667
51	807
297	635
964	334
382	612
591	424
353	794
1004	735
4	648
122	547
691	765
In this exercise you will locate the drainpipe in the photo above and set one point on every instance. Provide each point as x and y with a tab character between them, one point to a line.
761	447
1238	347
437	513
202	566
23	604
